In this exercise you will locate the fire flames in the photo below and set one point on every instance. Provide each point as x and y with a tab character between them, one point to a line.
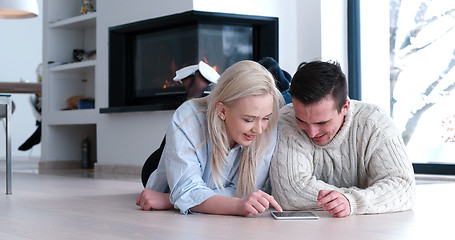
214	67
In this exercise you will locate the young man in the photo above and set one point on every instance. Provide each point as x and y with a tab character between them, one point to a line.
336	154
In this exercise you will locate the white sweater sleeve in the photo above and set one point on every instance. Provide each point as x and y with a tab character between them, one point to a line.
388	184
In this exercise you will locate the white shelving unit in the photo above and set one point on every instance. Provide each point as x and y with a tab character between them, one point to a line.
66	29
85	21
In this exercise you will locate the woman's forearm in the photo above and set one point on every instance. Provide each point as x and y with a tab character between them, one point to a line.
257	202
218	204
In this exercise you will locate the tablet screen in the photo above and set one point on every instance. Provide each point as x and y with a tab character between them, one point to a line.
295	215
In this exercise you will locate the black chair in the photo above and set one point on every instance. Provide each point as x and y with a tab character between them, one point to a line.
152	163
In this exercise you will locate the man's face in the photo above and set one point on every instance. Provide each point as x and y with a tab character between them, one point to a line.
321	121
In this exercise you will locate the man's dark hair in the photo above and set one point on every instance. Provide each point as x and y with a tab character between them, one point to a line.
315	80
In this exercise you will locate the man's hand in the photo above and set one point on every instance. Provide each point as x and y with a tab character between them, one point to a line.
334	202
258	202
149	200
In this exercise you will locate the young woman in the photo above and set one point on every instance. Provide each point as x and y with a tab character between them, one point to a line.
218	148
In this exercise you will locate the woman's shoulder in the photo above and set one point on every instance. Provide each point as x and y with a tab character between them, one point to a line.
190	109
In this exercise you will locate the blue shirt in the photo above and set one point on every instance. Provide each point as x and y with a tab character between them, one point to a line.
185	168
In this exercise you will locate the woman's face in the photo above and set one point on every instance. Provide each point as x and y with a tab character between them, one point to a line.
246	118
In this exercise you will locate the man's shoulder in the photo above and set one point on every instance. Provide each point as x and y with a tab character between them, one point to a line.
368	110
287	111
371	114
287	124
287	116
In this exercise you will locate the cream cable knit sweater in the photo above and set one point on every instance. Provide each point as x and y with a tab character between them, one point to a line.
366	161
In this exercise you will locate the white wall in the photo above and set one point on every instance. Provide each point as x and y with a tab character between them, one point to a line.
21	52
129	138
322	31
309	32
334	32
287	19
375	27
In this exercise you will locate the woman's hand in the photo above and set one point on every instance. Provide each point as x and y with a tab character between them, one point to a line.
149	200
258	202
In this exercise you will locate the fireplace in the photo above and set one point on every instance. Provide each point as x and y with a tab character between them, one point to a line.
144	55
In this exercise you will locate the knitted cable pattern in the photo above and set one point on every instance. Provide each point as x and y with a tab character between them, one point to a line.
366	161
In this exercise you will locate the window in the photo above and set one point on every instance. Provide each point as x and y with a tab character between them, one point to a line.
421	55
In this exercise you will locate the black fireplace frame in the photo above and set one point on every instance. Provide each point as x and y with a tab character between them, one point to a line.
265	40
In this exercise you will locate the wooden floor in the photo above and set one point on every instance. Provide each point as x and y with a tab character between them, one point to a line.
59	207
77	205
69	205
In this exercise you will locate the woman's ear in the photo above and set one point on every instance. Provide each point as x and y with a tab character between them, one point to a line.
221	110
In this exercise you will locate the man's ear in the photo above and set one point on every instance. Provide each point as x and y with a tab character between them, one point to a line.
344	109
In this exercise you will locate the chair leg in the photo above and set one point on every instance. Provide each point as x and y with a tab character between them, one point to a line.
9	184
6	100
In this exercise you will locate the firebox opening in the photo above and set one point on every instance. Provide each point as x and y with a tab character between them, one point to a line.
144	56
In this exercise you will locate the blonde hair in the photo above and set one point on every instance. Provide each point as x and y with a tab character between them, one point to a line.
245	78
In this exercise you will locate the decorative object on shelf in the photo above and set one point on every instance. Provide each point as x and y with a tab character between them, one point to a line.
77	55
73	102
86	103
16	9
85	153
87	7
80	55
79	102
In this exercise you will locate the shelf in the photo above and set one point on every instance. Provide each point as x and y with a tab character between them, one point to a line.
65	30
77	66
72	117
79	22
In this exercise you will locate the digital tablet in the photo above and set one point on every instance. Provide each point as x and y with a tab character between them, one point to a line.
295	215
